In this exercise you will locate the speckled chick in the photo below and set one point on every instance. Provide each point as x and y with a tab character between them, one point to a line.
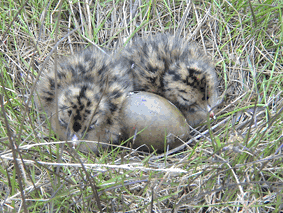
177	70
83	80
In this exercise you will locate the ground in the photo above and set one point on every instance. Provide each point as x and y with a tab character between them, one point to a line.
232	164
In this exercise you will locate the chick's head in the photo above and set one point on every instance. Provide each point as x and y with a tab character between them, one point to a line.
80	114
192	87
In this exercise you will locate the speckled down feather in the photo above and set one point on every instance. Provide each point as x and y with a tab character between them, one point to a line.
163	64
177	70
83	80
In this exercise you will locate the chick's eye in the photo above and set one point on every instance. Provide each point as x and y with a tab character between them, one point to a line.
191	110
184	98
62	122
92	126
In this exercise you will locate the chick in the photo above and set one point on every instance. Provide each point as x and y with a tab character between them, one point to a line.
177	70
89	97
92	87
147	59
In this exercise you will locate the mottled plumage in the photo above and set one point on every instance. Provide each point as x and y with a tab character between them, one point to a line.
83	80
177	70
163	64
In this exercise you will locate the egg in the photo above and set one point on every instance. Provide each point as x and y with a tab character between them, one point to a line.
153	121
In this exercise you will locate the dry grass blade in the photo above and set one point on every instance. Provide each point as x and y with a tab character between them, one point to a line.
15	151
237	167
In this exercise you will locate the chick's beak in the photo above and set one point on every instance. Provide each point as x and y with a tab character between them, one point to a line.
74	140
211	114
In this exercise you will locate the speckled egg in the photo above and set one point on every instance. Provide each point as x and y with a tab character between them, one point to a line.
153	122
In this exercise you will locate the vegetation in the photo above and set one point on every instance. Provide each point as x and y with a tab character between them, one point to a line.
233	164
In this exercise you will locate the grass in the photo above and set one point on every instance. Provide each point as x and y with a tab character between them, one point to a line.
236	168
